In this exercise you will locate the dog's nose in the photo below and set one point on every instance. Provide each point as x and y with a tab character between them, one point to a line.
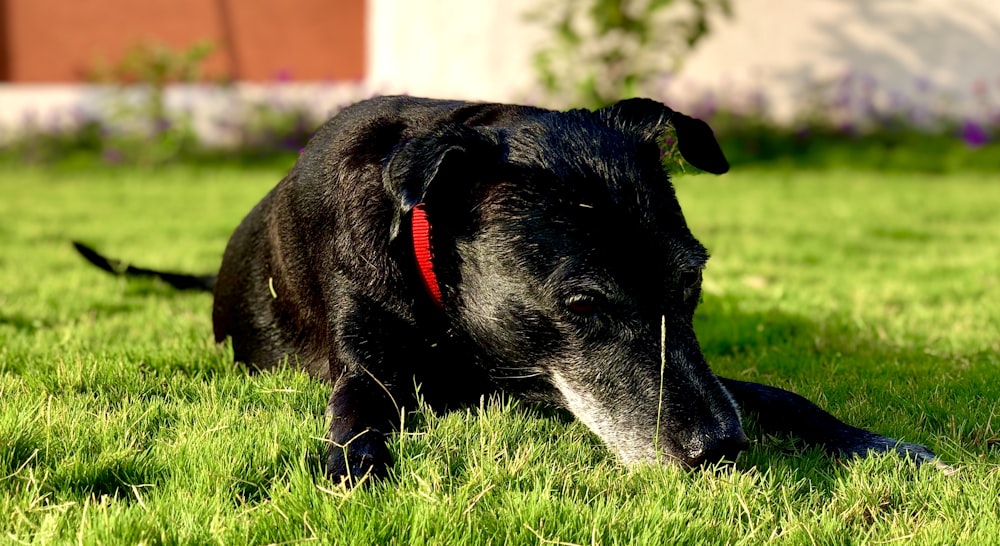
724	449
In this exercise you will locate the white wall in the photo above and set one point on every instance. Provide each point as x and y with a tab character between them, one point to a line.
466	49
782	46
481	49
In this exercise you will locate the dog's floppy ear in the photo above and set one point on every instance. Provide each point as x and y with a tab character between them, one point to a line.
418	165
695	139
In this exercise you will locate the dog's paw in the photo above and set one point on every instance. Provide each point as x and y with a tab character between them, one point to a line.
358	458
917	453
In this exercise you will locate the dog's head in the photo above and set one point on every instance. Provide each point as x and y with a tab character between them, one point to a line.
561	251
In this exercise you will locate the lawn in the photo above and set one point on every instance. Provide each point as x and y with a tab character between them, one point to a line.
874	294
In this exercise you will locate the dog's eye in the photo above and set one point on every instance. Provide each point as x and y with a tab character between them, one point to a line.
691	281
586	304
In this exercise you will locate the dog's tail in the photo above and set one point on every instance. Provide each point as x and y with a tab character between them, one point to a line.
180	281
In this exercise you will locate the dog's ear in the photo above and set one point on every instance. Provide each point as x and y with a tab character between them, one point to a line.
695	139
422	164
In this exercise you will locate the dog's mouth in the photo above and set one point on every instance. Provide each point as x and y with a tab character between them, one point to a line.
708	449
639	436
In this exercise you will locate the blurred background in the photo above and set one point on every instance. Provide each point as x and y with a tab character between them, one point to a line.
882	83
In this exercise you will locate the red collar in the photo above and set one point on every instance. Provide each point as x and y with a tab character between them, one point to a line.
422	252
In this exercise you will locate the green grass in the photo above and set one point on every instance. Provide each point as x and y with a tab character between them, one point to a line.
875	294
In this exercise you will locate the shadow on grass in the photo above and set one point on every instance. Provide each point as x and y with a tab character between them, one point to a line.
23	324
146	288
120	478
946	401
900	391
833	359
79	471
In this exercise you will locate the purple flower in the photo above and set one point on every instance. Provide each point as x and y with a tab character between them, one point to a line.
897	101
848	128
29	118
81	115
842	99
54	122
974	134
868	83
113	156
707	107
161	125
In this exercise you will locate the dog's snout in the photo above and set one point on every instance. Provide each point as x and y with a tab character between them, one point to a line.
719	450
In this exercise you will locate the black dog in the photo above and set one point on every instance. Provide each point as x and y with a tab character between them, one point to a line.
471	247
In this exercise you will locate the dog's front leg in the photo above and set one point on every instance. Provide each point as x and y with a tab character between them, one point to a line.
371	368
780	412
363	412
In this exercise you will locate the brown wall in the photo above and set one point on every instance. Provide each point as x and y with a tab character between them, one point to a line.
255	40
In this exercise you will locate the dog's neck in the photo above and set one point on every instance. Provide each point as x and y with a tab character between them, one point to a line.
423	253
